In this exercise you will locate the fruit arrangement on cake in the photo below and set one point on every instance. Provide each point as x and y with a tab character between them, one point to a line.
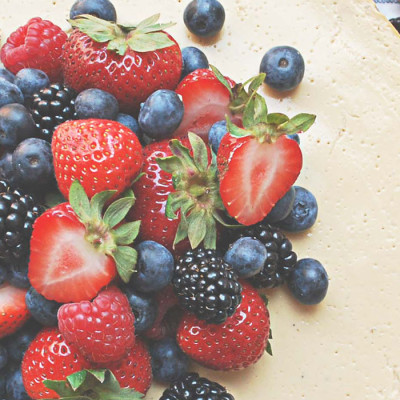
147	206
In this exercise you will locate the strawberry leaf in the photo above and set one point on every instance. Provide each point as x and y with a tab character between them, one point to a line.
79	201
268	349
118	45
98	202
183	153
255	112
182	231
144	42
197	228
157	27
169	164
200	154
256	82
148	21
300	122
221	78
127	233
117	211
125	258
210	238
96	28
235	130
277	118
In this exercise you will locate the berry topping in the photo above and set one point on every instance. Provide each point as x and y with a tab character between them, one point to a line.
38	44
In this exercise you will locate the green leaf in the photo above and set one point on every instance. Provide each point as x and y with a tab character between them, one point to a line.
182	231
144	42
210	238
265	299
126	233
169	164
300	122
99	374
197	227
255	111
177	201
235	130
96	28
256	82
277	118
200	153
157	27
79	201
148	21
221	78
183	153
270	334
76	380
268	349
118	45
125	258
59	387
117	211
98	202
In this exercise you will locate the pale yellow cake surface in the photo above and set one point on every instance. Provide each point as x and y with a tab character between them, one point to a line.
347	347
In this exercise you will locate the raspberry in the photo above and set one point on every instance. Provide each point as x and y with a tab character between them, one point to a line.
103	329
38	44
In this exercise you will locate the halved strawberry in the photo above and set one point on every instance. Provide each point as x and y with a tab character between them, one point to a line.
13	309
206	101
258	163
76	250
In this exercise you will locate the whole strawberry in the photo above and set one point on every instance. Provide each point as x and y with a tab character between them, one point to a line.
102	154
131	62
38	44
76	249
178	197
13	309
237	343
49	356
134	369
103	329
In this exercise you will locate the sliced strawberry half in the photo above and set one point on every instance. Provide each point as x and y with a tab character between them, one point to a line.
76	250
257	176
206	100
13	309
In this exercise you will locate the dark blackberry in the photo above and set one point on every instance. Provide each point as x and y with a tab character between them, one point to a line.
51	107
193	387
396	23
281	260
18	212
207	286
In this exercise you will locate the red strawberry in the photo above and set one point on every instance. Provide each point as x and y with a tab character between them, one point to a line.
102	154
134	370
206	100
131	63
38	44
13	309
103	329
75	250
237	343
160	197
49	356
259	164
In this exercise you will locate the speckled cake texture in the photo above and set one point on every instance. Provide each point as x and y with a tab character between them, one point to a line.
347	347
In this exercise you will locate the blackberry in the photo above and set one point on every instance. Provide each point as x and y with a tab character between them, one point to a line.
51	107
18	212
206	285
281	260
193	387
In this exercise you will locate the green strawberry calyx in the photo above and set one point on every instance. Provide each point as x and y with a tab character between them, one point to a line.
196	199
146	36
254	111
91	384
104	231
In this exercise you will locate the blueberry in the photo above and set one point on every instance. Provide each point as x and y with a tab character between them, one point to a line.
7	75
17	274
33	163
3	276
155	267
308	282
129	122
10	93
283	207
144	308
216	133
247	256
44	311
295	137
103	9
15	389
6	168
193	58
303	214
3	356
96	103
284	68
204	17
16	125
3	381
19	341
161	114
168	361
30	81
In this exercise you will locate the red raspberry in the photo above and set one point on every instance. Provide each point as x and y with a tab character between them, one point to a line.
134	370
103	329
38	44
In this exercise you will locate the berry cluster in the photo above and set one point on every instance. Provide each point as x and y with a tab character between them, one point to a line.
142	204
